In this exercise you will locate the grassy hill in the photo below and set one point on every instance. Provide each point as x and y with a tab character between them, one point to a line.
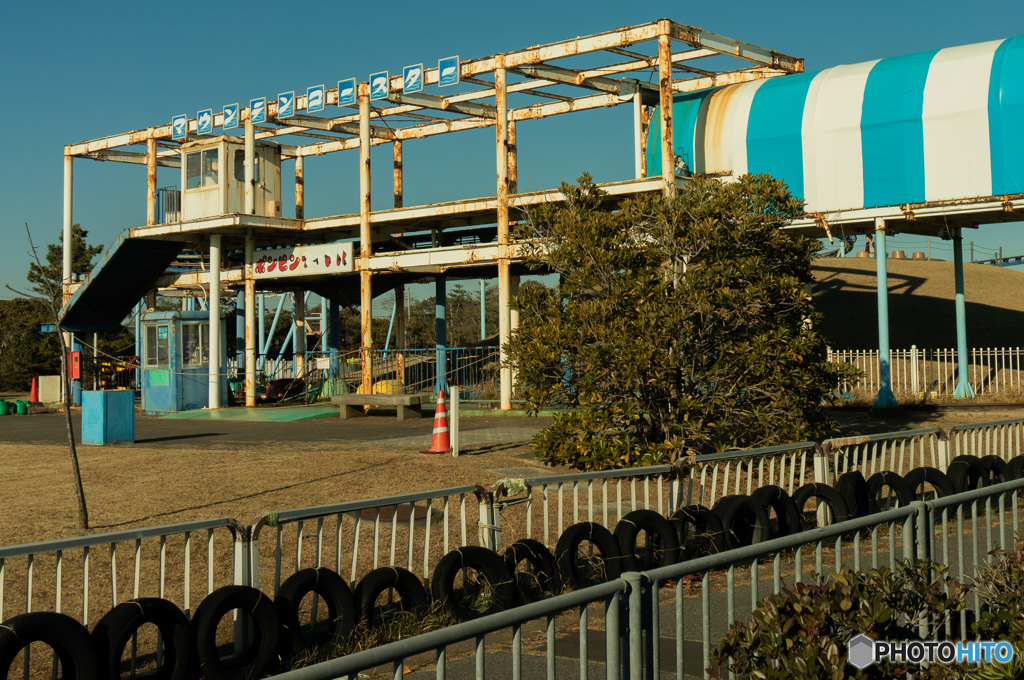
921	303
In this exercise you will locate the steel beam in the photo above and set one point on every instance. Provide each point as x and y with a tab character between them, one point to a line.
428	101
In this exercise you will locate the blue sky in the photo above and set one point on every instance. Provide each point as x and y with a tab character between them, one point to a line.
76	71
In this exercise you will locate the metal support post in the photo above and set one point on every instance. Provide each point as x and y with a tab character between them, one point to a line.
963	384
365	242
300	189
68	192
634	627
513	314
239	332
453	419
483	309
885	397
299	347
501	153
333	335
441	333
250	167
396	149
250	319
214	307
513	159
150	181
668	152
638	135
262	329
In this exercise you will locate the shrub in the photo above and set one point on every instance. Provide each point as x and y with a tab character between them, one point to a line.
803	632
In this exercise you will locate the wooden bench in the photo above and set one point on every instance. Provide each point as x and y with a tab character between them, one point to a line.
408	405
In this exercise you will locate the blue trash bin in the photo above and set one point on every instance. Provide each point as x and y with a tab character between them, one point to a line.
108	417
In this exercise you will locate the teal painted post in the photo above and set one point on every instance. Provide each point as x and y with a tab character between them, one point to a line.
441	342
261	324
963	384
885	398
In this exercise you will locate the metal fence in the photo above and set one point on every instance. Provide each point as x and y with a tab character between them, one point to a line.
632	611
412	531
916	372
87	576
547	505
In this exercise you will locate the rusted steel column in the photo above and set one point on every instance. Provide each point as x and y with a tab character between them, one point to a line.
150	181
299	305
365	244
250	167
300	190
501	153
513	313
668	153
639	135
400	316
250	319
214	307
513	159
68	191
397	150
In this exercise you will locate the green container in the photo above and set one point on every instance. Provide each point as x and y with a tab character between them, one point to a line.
3	407
22	407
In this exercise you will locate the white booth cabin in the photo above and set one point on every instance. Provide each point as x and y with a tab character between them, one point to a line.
213	178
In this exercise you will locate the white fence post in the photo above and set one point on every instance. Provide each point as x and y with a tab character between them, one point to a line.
915	385
453	426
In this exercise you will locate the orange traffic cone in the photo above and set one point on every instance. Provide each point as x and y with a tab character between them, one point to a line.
34	396
439	443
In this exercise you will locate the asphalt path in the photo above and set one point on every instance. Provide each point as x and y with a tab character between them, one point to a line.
50	428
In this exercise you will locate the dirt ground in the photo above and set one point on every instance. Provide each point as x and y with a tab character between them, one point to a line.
191	470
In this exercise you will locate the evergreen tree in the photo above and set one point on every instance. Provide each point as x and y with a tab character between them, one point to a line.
82	256
681	325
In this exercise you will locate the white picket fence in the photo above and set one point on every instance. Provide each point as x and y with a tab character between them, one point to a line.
992	371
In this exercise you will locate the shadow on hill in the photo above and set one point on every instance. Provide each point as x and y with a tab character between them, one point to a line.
850	310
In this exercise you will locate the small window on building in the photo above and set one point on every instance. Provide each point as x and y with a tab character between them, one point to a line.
195	345
240	167
157	346
210	167
192	178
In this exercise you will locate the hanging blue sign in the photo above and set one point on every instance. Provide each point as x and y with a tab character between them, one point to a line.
286	104
315	98
347	92
230	117
179	127
258	110
379	85
448	71
412	78
204	122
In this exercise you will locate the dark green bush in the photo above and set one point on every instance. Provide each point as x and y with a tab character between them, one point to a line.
803	632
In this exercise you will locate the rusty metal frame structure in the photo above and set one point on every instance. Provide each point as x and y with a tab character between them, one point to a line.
674	57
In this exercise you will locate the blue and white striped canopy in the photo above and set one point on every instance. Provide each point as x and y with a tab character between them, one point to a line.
933	126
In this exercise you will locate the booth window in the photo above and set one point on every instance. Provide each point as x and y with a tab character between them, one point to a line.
195	345
201	169
240	167
157	346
